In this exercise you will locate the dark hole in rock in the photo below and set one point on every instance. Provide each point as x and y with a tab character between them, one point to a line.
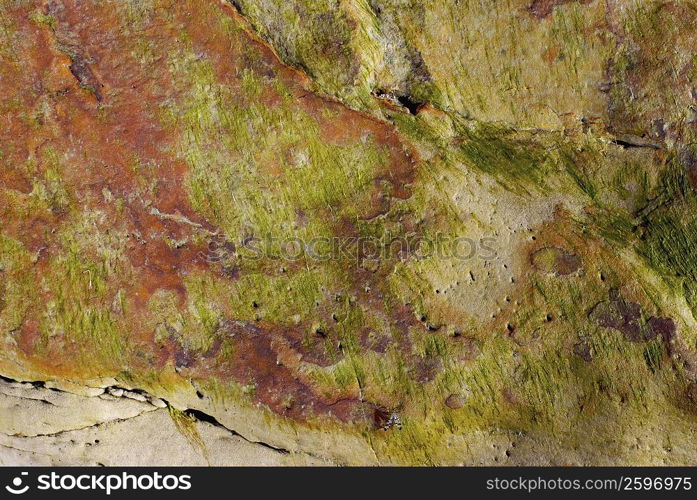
412	105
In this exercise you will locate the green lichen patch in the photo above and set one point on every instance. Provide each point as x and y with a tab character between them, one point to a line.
82	315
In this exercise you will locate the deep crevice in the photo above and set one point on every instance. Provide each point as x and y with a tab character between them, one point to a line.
631	141
409	103
210	419
37	384
404	100
236	5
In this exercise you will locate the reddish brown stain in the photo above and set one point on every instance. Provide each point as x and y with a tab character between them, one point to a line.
626	316
550	55
378	341
455	401
541	9
688	159
583	350
555	260
255	362
105	127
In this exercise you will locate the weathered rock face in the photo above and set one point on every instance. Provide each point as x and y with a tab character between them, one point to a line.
118	427
349	232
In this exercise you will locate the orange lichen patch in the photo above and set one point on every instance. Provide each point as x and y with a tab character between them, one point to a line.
22	85
551	54
30	336
99	119
87	143
254	362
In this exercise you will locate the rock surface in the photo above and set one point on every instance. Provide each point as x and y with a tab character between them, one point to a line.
50	427
348	232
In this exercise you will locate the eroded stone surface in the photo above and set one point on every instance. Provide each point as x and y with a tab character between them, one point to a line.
78	430
502	229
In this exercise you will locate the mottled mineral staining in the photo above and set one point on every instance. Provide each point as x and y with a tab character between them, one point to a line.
544	8
626	317
158	158
583	350
556	261
688	159
455	401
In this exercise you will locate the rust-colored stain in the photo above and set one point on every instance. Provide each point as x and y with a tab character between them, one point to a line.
550	54
555	260
276	385
626	316
96	107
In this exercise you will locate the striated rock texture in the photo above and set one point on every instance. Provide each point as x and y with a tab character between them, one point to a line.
319	232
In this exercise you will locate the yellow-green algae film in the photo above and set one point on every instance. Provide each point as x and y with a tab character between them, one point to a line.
426	233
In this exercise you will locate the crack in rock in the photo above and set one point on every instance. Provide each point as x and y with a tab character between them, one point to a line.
96	425
117	392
